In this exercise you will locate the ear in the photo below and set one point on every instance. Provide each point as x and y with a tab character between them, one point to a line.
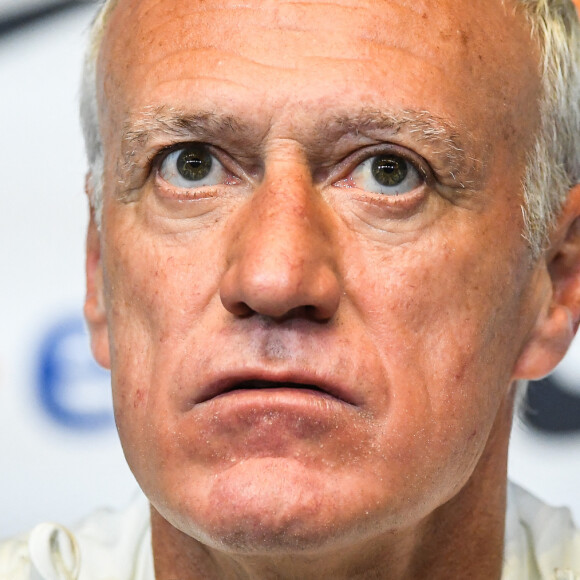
94	309
558	321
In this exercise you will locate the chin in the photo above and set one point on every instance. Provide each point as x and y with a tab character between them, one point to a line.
263	535
275	506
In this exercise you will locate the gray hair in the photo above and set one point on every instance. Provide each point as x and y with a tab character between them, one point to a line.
553	162
89	110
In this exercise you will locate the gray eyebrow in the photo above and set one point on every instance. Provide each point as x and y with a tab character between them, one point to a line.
170	121
165	121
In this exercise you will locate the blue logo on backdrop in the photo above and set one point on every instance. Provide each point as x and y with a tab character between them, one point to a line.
73	389
553	404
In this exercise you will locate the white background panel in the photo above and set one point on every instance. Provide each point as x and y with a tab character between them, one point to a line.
48	470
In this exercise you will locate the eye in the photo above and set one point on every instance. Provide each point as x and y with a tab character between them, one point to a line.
386	174
192	166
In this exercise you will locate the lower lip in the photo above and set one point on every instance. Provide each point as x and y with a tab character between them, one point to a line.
272	422
276	397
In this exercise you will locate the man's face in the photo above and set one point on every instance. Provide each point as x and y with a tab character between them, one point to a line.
315	284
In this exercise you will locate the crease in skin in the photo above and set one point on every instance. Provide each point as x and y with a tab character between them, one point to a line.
199	78
317	58
209	49
347	5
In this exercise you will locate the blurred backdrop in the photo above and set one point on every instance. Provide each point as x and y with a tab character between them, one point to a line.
59	454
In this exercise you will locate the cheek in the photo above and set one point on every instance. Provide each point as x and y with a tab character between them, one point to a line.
448	331
156	292
159	301
142	301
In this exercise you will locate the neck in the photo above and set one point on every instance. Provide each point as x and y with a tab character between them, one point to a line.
463	538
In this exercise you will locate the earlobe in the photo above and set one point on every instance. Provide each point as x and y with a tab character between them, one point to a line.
94	308
557	324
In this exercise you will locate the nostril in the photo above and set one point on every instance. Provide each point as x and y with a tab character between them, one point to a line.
240	309
307	312
320	313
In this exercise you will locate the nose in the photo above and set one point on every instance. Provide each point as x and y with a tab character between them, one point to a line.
281	259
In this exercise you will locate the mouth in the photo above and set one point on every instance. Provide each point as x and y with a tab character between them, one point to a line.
267	386
260	385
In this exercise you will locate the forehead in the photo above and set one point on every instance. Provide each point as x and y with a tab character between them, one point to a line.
456	59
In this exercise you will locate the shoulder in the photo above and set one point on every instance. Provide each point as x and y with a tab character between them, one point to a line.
107	544
541	541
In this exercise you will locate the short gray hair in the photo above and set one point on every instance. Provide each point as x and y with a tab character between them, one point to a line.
553	162
89	109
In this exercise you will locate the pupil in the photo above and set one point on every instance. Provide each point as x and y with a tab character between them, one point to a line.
194	163
389	170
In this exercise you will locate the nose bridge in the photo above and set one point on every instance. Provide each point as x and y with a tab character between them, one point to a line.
281	260
288	213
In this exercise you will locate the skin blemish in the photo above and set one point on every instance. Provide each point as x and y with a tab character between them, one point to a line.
139	398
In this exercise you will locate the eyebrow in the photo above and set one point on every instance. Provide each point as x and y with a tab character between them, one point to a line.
444	139
423	125
165	121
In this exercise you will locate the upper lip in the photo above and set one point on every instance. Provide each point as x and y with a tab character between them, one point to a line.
259	379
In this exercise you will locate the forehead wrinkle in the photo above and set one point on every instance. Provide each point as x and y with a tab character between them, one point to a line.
246	59
316	59
347	5
288	21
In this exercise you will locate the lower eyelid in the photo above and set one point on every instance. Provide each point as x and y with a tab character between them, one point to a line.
170	192
175	193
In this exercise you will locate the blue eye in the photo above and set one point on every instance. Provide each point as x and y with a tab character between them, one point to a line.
192	166
387	174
